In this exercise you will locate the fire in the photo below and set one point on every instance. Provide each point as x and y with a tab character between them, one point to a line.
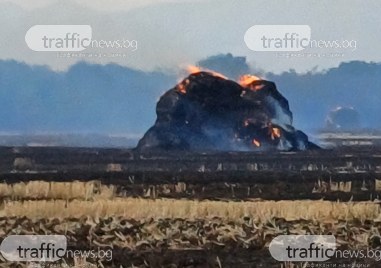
275	133
256	142
195	69
247	80
182	86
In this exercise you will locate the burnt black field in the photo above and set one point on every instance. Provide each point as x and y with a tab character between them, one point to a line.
335	174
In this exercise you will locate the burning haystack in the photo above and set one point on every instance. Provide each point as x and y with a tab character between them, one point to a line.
206	111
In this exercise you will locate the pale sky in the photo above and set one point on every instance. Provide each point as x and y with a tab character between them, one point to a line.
173	33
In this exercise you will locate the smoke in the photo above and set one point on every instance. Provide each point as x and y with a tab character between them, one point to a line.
313	95
226	64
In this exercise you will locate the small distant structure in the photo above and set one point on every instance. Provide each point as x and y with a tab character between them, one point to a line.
343	119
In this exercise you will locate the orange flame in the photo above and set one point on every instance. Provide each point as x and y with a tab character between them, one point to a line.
256	143
195	69
182	86
275	133
247	80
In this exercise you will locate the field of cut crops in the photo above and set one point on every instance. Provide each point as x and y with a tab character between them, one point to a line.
161	232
